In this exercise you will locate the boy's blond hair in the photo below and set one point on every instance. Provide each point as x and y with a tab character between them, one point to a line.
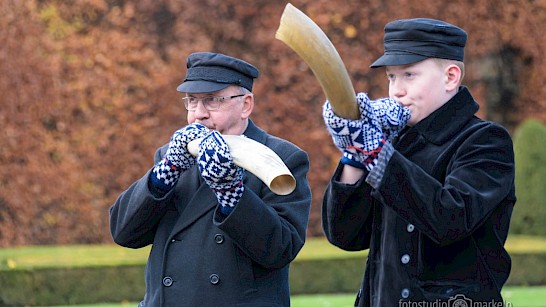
445	63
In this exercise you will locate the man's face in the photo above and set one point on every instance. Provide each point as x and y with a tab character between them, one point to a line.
422	87
230	117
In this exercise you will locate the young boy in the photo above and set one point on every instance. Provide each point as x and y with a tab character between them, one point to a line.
423	183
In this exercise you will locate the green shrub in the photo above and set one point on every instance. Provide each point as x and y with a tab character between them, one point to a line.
68	275
527	270
71	286
530	157
341	275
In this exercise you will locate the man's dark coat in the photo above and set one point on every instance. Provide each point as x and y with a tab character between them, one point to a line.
199	258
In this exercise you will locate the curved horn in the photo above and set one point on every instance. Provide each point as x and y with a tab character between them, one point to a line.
257	159
301	34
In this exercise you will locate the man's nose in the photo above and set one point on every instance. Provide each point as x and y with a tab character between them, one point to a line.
200	110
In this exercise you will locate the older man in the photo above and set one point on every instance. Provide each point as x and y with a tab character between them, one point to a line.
220	236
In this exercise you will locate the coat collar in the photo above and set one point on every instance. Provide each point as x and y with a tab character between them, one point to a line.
254	132
457	112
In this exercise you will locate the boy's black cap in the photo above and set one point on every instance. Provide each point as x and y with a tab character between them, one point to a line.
210	72
409	41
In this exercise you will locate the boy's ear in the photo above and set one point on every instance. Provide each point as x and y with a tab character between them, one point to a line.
454	75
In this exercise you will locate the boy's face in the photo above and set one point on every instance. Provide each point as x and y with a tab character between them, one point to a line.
423	87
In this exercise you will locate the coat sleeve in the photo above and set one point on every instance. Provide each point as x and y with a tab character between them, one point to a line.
478	177
136	213
271	228
347	213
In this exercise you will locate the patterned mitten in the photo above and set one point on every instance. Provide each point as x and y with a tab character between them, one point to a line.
391	115
359	140
219	172
166	172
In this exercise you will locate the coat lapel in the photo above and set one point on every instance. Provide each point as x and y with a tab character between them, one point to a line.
193	196
195	199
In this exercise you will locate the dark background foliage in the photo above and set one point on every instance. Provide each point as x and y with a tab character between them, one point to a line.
88	89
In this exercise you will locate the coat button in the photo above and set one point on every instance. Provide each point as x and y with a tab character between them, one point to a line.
410	228
219	239
167	281
405	293
214	279
405	259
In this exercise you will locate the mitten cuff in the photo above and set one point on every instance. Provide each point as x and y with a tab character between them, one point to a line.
375	176
229	198
165	175
369	159
349	159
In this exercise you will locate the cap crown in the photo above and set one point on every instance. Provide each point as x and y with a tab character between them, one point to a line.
211	72
408	41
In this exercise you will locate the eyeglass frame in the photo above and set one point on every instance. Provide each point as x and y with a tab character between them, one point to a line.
207	100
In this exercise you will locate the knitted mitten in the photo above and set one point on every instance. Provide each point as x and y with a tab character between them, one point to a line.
219	172
166	172
359	140
391	115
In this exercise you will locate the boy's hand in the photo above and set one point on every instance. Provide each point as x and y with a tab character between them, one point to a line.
391	115
360	140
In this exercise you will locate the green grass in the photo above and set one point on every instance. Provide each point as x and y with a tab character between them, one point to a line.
323	300
520	244
525	296
29	257
513	296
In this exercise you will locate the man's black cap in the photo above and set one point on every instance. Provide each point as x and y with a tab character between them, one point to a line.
409	41
210	72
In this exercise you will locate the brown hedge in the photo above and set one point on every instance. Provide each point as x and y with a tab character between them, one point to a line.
88	89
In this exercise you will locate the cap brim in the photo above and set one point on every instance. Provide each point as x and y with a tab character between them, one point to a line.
201	87
397	59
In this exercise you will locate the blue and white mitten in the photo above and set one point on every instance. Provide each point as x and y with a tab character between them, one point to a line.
219	172
359	140
391	115
177	159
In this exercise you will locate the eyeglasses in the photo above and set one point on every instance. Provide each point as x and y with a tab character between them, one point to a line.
210	103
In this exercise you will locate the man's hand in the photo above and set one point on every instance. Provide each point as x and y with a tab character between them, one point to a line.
166	172
219	172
